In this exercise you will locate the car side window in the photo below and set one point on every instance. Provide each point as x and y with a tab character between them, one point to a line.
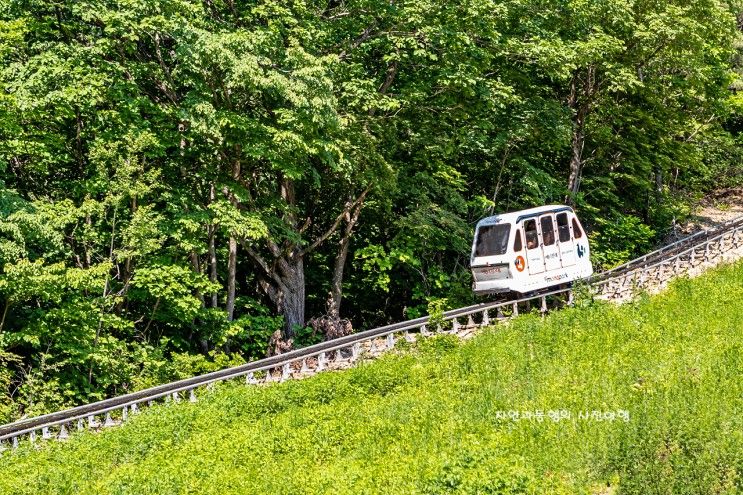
577	232
532	237
563	229
517	244
548	230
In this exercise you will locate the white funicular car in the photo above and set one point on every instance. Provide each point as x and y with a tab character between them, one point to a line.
529	250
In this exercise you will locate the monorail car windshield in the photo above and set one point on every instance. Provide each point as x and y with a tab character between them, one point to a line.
492	240
529	250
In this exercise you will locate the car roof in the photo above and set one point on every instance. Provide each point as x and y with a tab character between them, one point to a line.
516	216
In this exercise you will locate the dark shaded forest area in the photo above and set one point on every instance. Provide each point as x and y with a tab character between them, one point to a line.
180	179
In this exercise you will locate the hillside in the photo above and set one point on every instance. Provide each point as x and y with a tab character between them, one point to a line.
427	420
181	180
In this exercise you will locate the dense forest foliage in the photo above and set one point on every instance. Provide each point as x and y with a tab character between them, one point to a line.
180	179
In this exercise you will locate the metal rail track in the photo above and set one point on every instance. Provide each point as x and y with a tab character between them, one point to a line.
628	277
670	250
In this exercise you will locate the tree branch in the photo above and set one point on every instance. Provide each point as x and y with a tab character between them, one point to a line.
365	35
336	223
169	92
699	128
260	261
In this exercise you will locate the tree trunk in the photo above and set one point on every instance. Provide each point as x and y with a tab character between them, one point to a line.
285	288
658	184
582	92
576	160
232	259
282	279
336	285
292	304
211	229
196	265
231	270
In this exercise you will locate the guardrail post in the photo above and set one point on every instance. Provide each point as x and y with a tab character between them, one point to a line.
32	437
124	413
63	434
321	362
192	396
108	423
408	337
15	442
423	330
470	321
250	378
134	408
543	308
285	372
355	351
485	318
92	423
304	368
515	309
390	340
338	356
571	298
45	433
499	313
80	426
454	325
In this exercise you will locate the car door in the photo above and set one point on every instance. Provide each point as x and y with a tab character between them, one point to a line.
565	240
550	248
534	256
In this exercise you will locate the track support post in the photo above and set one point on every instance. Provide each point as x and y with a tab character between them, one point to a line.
63	434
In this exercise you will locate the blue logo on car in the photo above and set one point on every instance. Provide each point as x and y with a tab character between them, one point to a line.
581	251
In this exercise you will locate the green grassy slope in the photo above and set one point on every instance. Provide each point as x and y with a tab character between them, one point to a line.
428	422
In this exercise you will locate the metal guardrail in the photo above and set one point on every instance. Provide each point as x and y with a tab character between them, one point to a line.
654	267
670	249
319	352
320	356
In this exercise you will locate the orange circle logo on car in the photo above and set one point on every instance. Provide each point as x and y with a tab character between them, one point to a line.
520	263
